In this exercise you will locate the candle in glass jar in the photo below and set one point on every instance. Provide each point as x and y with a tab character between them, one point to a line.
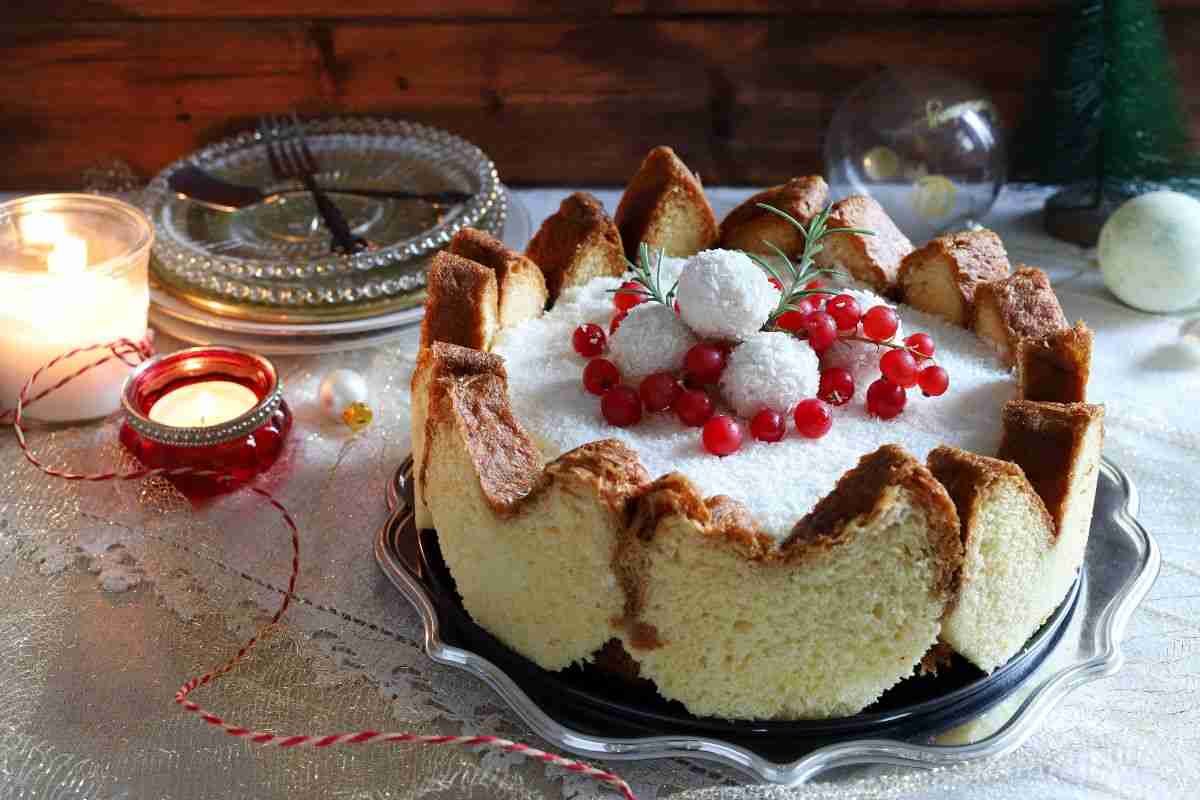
72	274
203	404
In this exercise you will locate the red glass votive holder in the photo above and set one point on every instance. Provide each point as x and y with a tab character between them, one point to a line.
242	447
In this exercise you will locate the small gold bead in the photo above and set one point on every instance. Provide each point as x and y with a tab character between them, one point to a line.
357	416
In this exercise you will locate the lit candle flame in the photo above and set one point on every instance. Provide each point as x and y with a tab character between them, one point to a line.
69	256
201	405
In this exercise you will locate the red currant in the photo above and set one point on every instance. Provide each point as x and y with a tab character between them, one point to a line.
768	426
659	391
920	344
792	321
821	330
809	303
899	367
589	340
880	323
693	407
885	399
933	380
815	284
836	387
600	375
775	282
845	312
621	406
704	362
813	418
625	300
722	435
616	321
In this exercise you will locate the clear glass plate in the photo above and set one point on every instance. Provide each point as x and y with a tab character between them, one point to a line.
279	253
327	298
194	324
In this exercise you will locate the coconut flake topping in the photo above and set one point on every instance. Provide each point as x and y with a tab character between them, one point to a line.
650	339
769	370
779	482
724	295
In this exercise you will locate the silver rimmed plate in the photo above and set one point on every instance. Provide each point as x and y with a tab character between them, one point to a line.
278	253
191	319
1080	644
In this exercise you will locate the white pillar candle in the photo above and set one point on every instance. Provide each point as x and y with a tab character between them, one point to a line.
203	404
72	274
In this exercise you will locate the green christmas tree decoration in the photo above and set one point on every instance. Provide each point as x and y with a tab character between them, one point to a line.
1106	121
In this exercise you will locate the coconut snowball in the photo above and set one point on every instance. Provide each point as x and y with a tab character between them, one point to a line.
724	295
650	339
861	359
769	370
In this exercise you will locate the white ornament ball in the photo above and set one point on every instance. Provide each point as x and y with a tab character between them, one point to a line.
1150	252
861	359
769	370
724	295
650	339
339	390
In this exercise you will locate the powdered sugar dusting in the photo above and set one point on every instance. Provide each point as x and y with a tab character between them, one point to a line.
778	482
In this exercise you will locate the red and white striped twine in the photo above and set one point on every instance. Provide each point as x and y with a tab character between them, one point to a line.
133	353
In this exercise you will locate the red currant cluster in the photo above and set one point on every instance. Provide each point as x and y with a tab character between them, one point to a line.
623	405
821	319
825	320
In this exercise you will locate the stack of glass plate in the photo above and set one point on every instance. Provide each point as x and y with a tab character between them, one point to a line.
264	276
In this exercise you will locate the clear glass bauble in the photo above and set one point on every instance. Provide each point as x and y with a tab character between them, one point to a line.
926	145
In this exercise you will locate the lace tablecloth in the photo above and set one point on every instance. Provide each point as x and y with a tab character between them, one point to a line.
112	595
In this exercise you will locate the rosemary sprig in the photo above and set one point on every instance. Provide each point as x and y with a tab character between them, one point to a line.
794	276
647	274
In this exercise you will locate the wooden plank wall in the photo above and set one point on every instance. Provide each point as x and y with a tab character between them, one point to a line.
555	92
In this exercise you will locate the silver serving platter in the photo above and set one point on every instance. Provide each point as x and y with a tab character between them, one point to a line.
1121	564
277	253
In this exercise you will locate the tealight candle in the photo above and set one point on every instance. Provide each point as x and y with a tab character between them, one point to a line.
200	405
72	274
208	408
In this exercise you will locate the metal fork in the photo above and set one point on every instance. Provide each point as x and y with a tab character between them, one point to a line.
291	158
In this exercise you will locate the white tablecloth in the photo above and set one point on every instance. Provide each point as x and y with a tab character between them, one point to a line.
88	672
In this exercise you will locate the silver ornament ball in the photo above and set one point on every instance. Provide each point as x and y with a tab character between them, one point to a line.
339	390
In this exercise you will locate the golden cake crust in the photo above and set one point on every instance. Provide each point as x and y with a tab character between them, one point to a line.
665	207
462	303
1021	306
1055	368
577	243
1016	569
967	476
473	386
521	285
748	226
1047	441
941	276
860	491
874	260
